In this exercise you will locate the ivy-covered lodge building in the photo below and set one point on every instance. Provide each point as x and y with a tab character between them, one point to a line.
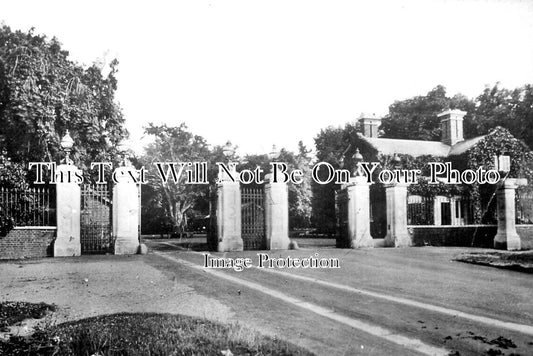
444	204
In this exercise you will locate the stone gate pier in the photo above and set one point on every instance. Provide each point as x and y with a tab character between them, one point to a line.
229	215
276	214
507	237
68	208
353	204
125	212
397	233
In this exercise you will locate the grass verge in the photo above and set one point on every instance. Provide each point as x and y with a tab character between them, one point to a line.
147	334
12	313
515	260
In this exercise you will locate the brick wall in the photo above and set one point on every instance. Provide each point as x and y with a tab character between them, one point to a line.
466	236
27	242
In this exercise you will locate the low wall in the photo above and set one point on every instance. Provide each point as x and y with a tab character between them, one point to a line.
526	236
25	242
465	236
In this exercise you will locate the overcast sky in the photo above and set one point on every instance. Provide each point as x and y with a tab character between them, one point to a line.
275	72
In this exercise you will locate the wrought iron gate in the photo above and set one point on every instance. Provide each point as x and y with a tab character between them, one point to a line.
341	213
253	218
96	208
378	211
212	235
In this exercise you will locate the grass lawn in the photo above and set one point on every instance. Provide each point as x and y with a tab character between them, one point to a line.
145	334
13	312
516	260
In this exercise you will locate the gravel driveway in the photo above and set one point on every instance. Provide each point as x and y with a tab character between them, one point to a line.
91	285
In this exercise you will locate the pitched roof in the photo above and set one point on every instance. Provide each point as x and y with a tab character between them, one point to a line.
414	148
463	146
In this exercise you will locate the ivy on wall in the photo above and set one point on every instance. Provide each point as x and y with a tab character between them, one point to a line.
423	188
12	174
497	142
338	146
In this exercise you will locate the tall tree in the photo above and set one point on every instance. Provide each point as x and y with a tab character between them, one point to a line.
174	144
512	109
299	194
336	146
43	94
416	118
330	144
12	174
301	209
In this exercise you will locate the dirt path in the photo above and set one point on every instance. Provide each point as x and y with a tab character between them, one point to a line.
93	285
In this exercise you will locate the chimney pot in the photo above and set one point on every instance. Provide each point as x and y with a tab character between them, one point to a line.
370	124
451	126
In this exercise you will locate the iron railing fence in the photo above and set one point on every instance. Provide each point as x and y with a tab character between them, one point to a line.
420	210
28	207
439	210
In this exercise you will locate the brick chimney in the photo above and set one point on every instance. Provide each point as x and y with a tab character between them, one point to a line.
370	124
451	123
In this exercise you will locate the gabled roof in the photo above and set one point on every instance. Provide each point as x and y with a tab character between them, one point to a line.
463	146
414	148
